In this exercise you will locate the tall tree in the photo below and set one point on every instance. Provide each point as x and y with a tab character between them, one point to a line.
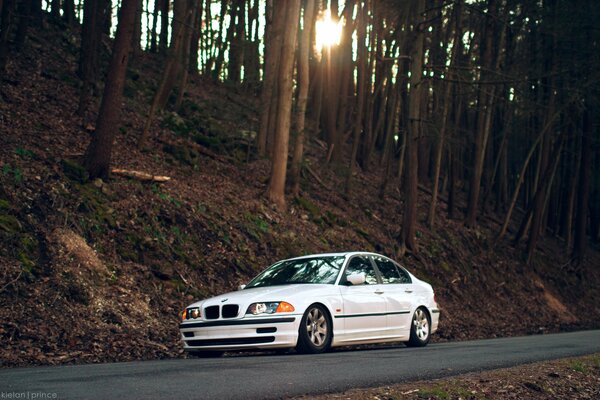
409	219
91	32
99	152
276	190
303	83
268	97
583	191
456	42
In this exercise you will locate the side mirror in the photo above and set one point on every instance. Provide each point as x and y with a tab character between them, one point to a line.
357	278
241	287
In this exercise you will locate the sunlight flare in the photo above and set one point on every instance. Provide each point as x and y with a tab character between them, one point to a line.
328	31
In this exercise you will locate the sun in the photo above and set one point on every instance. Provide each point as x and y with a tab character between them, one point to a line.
328	31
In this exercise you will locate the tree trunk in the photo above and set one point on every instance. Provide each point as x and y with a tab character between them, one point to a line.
486	102
153	33
445	114
222	44
583	191
540	199
174	65
195	39
521	175
98	153
136	41
272	53
409	220
24	21
184	54
91	32
361	83
164	27
303	84
276	189
68	11
6	22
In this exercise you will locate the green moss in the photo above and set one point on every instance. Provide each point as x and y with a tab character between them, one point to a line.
178	125
5	205
183	154
211	142
308	206
10	224
579	367
93	202
27	263
435	392
74	171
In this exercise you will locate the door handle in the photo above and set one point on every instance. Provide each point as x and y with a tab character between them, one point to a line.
379	291
408	291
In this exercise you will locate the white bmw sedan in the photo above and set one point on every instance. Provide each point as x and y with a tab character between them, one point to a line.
313	303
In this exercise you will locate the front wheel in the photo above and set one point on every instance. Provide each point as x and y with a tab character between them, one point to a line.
420	329
315	332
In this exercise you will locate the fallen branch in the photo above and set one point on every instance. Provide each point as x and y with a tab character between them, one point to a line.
11	282
142	176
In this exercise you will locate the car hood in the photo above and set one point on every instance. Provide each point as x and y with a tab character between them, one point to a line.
246	297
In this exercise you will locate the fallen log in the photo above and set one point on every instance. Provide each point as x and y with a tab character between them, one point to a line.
142	176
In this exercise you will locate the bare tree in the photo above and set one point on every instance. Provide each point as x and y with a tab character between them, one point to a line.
409	220
303	83
276	189
99	151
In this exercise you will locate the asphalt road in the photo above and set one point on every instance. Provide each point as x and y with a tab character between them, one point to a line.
277	376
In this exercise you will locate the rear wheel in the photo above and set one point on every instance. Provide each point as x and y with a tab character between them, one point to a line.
420	329
315	332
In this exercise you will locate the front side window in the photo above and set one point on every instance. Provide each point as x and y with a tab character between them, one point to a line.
319	270
360	264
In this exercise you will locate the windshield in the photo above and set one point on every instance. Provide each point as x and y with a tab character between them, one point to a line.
323	270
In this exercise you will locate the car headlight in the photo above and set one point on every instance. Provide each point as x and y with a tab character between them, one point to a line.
269	308
191	313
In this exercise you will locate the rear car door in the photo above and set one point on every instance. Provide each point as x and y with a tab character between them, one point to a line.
398	293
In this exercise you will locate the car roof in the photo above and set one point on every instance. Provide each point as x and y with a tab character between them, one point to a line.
339	254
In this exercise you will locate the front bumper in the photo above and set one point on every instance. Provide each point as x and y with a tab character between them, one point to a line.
240	334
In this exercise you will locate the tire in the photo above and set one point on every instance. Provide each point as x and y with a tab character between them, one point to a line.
205	353
420	328
315	331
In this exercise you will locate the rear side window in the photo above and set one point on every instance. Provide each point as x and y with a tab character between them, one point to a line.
390	273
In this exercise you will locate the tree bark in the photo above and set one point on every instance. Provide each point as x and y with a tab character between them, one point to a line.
274	32
409	220
164	27
361	83
91	33
98	153
303	84
540	199
583	191
276	189
486	102
445	114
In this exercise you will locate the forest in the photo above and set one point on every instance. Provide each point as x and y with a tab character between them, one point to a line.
177	147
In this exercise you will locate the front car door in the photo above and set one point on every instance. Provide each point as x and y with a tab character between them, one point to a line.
363	316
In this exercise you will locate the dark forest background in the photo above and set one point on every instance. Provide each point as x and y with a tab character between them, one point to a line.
175	148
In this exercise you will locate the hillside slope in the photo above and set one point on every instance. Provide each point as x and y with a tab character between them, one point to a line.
99	271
